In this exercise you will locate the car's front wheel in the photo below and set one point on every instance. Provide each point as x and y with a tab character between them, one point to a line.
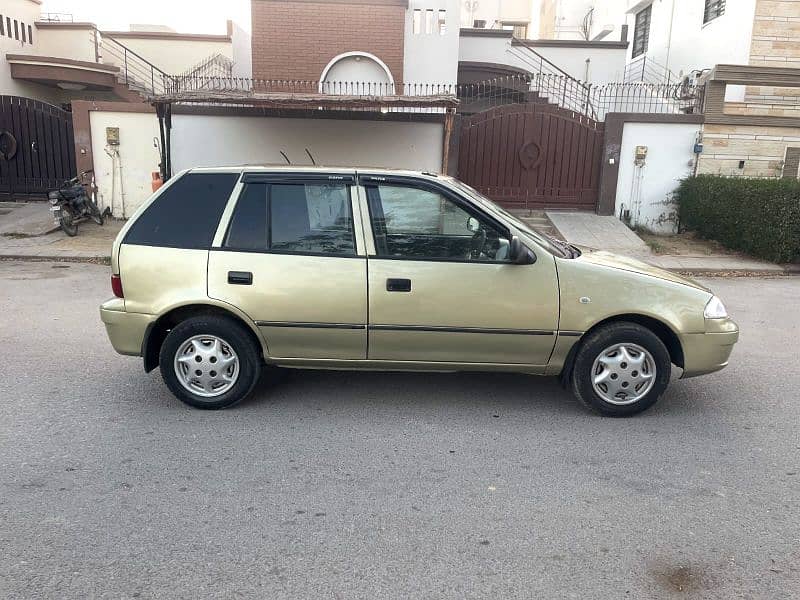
209	362
621	369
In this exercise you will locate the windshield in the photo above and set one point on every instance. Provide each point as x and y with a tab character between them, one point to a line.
553	245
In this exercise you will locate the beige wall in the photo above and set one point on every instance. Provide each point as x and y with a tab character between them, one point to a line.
547	20
776	34
260	140
75	43
776	43
249	140
761	148
26	12
137	157
174	55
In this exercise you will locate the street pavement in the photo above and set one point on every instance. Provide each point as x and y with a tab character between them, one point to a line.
351	485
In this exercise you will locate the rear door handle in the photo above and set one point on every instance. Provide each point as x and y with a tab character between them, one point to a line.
240	277
398	285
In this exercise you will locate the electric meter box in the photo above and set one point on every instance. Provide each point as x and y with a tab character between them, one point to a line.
112	136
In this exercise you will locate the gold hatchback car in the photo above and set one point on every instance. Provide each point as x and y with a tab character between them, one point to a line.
224	271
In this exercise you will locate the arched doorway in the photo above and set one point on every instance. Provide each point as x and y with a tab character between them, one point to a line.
357	73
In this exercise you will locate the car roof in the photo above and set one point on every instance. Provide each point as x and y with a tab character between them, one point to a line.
322	169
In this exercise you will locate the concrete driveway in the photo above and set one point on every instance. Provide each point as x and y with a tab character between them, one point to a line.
347	485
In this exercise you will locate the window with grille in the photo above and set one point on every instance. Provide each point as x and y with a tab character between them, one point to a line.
641	31
714	9
519	28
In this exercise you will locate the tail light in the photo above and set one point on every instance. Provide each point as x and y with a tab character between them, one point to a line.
116	286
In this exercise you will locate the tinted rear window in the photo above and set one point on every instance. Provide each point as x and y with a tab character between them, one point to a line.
186	214
299	218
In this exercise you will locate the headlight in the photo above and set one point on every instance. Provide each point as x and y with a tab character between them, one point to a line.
715	309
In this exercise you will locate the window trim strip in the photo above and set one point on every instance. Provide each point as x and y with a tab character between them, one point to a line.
341	178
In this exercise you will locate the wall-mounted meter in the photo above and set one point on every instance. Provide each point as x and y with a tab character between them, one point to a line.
112	136
640	156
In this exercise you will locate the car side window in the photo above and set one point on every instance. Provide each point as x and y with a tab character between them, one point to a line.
186	214
301	218
410	222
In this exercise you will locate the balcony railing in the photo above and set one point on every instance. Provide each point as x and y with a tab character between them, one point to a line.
591	100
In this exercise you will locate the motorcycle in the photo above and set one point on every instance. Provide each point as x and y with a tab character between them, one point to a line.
70	203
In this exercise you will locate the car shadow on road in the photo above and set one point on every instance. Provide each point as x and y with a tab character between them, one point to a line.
426	392
353	389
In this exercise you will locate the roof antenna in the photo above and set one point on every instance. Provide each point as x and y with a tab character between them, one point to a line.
313	162
286	158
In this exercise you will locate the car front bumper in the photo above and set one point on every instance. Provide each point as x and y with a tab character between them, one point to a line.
708	352
125	330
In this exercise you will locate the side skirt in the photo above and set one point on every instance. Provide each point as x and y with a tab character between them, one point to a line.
402	365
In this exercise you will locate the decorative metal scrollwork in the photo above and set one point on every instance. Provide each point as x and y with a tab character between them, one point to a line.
530	155
8	145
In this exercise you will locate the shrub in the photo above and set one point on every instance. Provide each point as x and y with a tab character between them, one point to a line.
758	216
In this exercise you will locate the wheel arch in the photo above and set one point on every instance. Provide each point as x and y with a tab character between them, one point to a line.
664	332
157	331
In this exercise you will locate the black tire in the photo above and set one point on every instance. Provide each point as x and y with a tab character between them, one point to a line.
67	221
234	335
597	343
94	212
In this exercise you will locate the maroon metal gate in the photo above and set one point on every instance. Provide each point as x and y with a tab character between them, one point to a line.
532	156
37	152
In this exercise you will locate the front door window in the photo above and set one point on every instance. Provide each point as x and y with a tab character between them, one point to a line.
422	224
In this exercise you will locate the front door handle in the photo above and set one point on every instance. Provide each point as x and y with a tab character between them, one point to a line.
398	285
240	277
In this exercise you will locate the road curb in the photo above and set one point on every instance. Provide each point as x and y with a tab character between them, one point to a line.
57	258
735	272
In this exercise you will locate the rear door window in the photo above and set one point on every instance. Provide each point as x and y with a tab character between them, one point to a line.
293	218
186	214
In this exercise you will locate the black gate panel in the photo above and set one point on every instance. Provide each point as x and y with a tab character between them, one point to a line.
37	150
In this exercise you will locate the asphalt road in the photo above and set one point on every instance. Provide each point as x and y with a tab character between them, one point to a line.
347	485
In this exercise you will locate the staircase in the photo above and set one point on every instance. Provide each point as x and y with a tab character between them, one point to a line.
541	82
138	77
551	82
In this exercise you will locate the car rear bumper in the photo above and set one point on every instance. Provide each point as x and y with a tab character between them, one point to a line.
125	330
708	352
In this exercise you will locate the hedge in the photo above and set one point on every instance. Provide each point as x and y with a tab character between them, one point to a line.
760	217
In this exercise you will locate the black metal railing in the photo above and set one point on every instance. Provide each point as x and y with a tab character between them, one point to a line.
547	79
590	100
56	17
216	65
194	82
644	69
135	71
593	101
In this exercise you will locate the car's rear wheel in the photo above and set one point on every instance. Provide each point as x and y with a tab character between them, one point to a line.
210	362
621	369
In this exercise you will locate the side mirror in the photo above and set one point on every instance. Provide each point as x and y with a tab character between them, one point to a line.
519	254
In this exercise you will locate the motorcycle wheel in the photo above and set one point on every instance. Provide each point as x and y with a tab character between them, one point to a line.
94	212
67	222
